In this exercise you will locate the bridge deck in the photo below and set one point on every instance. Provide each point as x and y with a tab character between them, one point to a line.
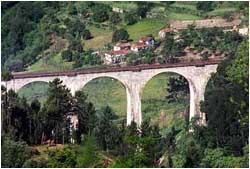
115	69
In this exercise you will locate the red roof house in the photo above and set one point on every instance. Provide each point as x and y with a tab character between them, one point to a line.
138	46
121	46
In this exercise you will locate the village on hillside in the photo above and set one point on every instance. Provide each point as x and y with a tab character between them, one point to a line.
103	34
121	50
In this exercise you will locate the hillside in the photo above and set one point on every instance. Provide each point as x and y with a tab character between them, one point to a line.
44	125
29	29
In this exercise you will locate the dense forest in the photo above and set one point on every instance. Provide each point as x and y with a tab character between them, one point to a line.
30	29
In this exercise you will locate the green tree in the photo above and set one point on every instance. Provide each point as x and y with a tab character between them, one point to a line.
105	131
86	34
75	45
205	6
87	155
216	158
86	114
32	163
15	120
130	18
72	9
14	154
148	57
114	18
133	59
143	8
226	107
120	35
238	72
89	58
77	29
101	12
142	146
67	55
177	88
6	76
65	158
57	105
170	51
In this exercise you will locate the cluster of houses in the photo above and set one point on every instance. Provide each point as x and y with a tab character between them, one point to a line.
120	50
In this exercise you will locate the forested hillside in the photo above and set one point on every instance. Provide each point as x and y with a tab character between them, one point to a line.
58	36
36	126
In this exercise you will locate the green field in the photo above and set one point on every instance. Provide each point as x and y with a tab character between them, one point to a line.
100	38
54	63
107	92
110	92
144	28
156	108
222	11
187	5
136	31
36	90
183	16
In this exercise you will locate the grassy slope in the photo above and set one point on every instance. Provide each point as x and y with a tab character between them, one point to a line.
136	31
36	90
55	63
182	16
100	38
156	108
107	91
187	5
144	28
221	11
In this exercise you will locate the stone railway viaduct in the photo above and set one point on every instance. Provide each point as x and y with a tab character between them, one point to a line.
134	79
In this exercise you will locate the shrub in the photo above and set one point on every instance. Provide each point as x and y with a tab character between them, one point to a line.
14	154
130	18
67	55
65	158
86	34
205	6
32	163
87	155
215	158
120	34
101	12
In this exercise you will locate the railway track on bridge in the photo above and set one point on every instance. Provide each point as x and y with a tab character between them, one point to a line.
116	69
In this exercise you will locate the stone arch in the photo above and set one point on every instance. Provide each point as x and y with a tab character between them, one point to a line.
154	74
26	84
40	94
77	83
106	76
17	84
88	78
192	88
